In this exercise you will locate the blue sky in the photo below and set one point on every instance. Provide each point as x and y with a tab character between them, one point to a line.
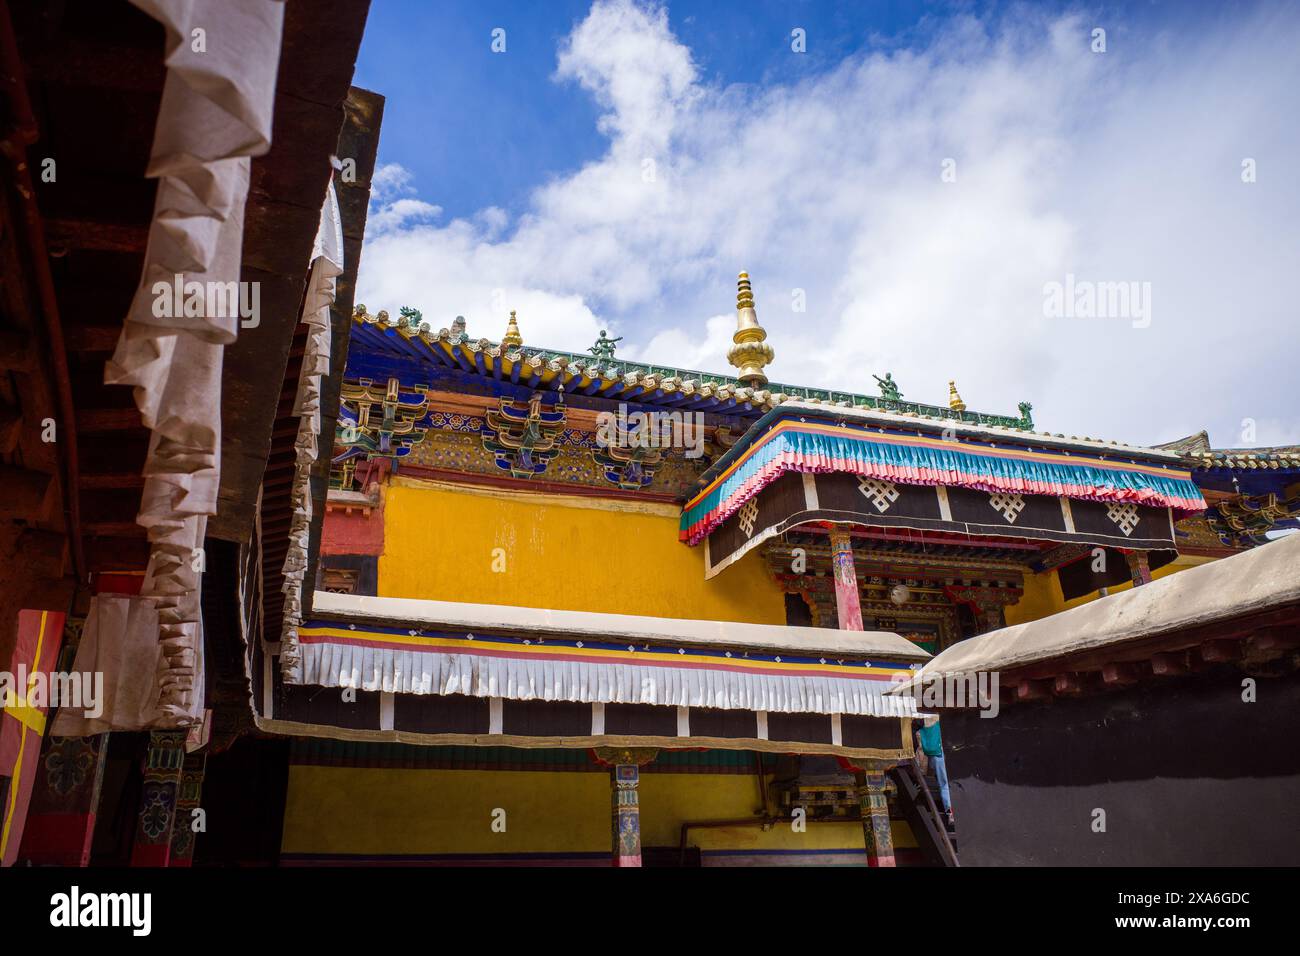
482	129
519	180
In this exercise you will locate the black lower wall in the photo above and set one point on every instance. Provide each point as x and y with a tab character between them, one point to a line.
1187	773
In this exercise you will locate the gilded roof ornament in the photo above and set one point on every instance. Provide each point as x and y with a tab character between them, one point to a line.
750	353
954	400
512	338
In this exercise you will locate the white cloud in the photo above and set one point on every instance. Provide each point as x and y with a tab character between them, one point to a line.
392	203
1111	167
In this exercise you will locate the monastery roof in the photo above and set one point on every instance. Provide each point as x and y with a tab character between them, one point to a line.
406	338
602	375
1258	580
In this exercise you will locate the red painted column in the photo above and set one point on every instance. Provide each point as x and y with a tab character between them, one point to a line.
65	801
162	777
847	601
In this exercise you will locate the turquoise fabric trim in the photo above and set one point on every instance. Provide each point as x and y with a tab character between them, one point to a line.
964	461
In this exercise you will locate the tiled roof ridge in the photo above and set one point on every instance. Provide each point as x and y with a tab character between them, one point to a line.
689	381
1278	456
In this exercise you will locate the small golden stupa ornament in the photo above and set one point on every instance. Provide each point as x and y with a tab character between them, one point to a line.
512	339
750	352
954	400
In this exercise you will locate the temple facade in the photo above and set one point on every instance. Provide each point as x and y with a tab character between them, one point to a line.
353	587
566	596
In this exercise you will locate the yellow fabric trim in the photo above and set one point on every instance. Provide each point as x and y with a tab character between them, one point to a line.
29	717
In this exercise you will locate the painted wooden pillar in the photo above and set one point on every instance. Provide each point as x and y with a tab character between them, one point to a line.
65	801
625	775
188	797
847	602
162	778
1139	567
875	817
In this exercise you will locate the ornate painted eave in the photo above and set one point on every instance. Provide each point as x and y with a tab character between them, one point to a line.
1250	491
888	449
1199	456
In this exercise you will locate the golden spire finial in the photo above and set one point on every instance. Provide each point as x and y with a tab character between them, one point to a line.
954	400
750	352
512	338
744	294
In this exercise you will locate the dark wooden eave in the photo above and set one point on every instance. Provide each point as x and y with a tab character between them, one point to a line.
359	140
93	70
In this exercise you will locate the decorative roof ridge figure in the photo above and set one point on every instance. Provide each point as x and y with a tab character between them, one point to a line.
603	348
888	387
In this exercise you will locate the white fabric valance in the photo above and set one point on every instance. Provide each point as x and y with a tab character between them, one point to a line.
327	266
421	672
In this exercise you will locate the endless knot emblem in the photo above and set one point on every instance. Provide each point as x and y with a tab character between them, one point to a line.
1007	505
882	494
748	515
1124	514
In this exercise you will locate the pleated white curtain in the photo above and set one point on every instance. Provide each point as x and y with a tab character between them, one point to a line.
327	265
423	672
215	114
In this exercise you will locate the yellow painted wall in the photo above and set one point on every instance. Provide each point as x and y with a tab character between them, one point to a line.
1042	598
381	811
1043	595
669	799
567	553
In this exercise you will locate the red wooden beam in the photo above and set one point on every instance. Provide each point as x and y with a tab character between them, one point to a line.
1119	675
1034	690
1169	664
1068	685
1219	652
